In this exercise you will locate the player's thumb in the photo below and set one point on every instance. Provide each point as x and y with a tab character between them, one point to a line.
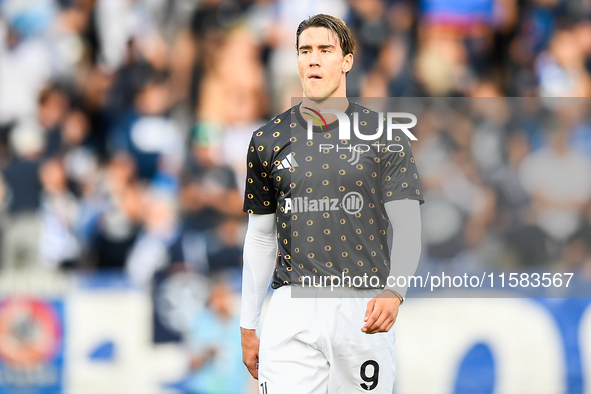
369	309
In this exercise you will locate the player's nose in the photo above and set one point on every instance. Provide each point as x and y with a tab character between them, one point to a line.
315	58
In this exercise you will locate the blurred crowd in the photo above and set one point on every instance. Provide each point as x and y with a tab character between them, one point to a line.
123	122
507	181
124	126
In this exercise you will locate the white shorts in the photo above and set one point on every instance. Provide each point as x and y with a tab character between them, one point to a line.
316	346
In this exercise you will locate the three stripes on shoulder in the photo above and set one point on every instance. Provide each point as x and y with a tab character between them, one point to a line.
288	162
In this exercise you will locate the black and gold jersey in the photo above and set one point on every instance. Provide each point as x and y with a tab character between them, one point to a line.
329	193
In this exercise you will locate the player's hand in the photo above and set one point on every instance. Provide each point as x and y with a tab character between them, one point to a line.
381	313
250	351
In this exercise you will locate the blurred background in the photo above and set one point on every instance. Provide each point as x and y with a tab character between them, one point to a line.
123	133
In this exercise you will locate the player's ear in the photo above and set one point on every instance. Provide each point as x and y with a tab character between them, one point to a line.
347	63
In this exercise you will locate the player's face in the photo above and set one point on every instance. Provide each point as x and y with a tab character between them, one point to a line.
321	64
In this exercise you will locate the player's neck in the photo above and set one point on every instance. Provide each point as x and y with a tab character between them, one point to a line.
338	103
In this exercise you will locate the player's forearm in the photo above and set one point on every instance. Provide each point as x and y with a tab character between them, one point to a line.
260	252
405	217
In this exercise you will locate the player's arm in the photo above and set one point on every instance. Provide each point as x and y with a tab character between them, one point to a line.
260	252
405	218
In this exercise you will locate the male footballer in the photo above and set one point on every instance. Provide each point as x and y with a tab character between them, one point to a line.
322	207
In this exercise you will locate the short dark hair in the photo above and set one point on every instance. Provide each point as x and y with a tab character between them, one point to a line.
333	24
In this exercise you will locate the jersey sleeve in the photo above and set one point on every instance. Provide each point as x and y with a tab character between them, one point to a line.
399	175
259	194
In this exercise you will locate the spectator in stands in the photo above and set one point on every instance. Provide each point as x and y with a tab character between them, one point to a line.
53	105
159	242
558	200
24	61
21	229
146	132
80	154
112	214
216	365
60	247
561	69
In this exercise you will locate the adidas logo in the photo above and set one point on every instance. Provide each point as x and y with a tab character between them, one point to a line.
288	162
